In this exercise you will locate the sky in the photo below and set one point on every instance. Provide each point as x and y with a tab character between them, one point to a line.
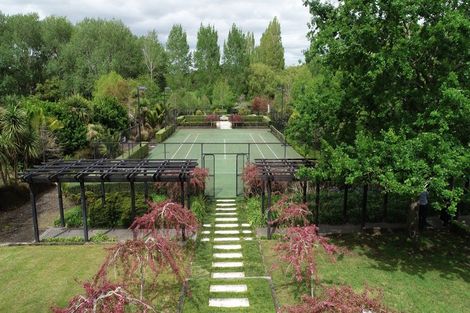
142	16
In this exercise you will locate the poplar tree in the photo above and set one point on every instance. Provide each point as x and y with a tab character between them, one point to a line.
179	58
236	60
207	58
270	50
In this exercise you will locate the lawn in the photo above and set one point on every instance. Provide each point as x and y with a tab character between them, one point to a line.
35	278
433	277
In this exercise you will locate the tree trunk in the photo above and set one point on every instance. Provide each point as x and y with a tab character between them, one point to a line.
412	221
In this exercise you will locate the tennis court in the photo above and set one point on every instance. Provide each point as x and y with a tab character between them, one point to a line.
224	152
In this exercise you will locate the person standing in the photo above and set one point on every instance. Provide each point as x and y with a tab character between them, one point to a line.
423	209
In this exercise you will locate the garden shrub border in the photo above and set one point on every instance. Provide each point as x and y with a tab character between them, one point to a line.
164	133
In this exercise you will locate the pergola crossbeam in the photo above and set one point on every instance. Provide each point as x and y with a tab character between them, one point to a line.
104	171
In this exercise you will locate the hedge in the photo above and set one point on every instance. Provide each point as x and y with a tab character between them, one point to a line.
164	133
137	152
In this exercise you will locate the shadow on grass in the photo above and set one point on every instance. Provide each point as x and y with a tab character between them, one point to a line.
440	251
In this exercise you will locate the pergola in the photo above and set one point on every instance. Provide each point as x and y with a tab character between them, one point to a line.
281	170
105	171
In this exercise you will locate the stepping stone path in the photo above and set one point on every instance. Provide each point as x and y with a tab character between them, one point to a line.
227	255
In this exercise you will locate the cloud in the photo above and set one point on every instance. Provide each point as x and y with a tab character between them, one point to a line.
142	16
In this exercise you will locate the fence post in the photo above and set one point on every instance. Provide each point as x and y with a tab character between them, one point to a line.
317	203
269	209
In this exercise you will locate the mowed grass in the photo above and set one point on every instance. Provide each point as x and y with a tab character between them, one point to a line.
36	278
432	277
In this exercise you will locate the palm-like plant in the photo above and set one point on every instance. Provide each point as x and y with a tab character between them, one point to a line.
19	142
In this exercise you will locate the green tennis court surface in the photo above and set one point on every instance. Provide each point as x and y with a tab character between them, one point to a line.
221	150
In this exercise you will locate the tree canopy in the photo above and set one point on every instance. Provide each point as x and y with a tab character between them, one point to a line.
391	99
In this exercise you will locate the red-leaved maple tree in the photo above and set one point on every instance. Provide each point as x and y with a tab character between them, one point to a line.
298	251
212	118
341	299
235	118
254	185
289	213
260	105
133	259
164	217
197	184
105	298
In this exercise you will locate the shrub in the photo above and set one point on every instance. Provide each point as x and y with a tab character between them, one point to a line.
253	212
212	118
72	217
235	118
199	207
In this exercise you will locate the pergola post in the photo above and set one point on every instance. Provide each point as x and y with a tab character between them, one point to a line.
146	191
32	195
269	208
317	202
103	194
84	209
345	202
182	193
183	230
133	210
263	197
188	195
61	204
364	205
304	191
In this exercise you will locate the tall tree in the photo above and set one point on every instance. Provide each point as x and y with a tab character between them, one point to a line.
236	60
154	57
98	47
250	46
406	134
207	58
21	62
55	33
270	50
179	58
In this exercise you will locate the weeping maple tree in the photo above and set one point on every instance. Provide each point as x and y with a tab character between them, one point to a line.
341	299
299	251
105	298
164	217
253	183
289	213
197	184
133	259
